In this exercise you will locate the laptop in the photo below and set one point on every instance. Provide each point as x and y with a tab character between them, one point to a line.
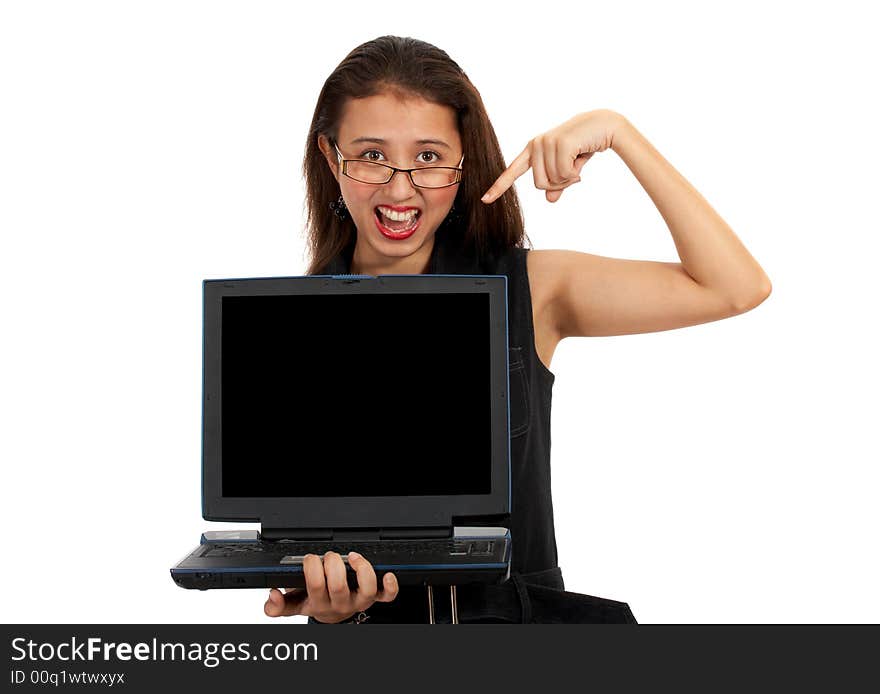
354	413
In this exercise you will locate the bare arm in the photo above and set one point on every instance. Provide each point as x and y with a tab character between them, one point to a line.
591	295
710	251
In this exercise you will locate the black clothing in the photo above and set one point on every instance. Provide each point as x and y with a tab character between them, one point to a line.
536	586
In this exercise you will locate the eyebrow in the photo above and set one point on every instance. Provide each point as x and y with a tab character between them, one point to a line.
380	141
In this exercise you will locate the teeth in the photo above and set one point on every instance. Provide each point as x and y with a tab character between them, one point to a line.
398	216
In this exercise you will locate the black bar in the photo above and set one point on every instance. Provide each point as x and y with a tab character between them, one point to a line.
235	658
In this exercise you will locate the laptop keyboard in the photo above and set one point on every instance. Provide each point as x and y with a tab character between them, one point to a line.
386	548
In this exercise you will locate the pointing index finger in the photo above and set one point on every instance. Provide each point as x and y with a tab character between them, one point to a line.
516	169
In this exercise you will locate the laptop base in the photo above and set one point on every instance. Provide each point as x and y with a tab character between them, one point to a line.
219	579
243	559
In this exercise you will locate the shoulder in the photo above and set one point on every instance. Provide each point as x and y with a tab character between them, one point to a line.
547	270
568	286
545	265
548	273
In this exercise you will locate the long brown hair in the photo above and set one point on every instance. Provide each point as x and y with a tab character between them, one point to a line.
411	67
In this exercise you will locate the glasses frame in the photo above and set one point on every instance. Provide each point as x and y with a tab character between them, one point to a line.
393	170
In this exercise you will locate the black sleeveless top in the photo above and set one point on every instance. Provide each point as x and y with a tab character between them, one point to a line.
531	518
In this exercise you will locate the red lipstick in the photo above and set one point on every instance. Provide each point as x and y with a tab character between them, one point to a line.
391	233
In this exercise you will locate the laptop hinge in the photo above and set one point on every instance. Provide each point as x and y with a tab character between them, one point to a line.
352	534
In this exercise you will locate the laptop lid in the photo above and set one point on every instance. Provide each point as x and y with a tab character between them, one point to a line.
356	402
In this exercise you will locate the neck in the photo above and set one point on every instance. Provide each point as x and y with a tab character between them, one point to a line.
366	263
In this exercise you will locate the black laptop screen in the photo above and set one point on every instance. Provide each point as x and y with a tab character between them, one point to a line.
355	395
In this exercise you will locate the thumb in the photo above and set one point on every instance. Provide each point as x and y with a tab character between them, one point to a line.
279	605
581	160
554	195
274	606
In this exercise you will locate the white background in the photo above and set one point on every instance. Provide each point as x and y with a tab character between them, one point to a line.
719	473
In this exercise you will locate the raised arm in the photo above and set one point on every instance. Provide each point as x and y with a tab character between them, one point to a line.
595	295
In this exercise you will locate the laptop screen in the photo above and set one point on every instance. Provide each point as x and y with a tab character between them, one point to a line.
355	395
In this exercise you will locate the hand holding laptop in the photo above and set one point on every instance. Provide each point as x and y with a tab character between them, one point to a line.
327	596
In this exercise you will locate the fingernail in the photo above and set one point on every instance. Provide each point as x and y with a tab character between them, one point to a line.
485	198
354	555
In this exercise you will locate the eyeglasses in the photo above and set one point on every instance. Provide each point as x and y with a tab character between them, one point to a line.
378	174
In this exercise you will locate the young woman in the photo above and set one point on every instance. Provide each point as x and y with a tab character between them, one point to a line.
405	176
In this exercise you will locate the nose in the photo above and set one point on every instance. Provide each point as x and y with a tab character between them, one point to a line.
400	186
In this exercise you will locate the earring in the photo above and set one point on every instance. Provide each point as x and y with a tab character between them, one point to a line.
452	218
339	208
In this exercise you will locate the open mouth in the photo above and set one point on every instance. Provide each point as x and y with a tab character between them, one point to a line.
397	225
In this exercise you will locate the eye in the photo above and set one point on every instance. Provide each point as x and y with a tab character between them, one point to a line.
434	157
366	155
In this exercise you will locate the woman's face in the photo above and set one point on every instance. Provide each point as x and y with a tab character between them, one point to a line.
407	132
